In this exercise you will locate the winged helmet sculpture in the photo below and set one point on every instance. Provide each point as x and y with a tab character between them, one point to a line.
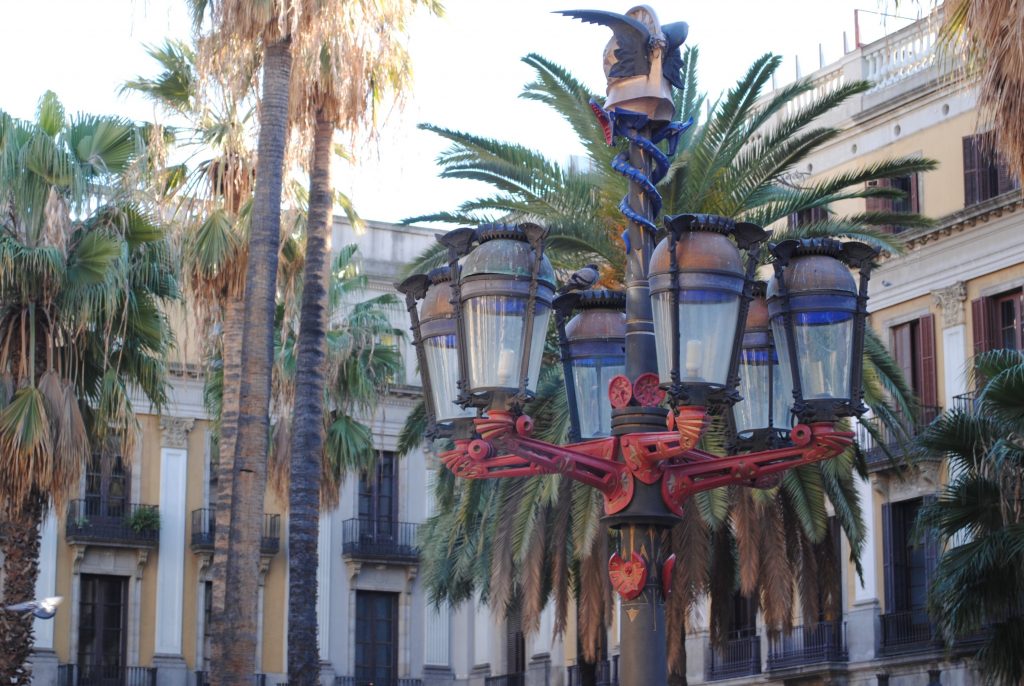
642	61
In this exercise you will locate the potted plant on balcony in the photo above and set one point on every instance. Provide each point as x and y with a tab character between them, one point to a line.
144	520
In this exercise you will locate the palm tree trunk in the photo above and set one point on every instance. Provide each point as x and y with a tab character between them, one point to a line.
308	425
231	354
21	568
235	644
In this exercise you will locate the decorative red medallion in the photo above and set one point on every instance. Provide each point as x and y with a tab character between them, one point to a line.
620	391
666	575
627	576
646	391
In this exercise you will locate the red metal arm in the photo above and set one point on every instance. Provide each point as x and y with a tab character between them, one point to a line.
505	449
701	471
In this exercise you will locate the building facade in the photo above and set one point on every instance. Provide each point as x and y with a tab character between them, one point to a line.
136	607
954	292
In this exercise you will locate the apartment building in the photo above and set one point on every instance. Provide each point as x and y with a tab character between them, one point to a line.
956	291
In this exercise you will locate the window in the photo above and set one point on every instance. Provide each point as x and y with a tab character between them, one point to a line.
378	498
808	216
909	203
376	638
909	561
998	321
515	642
985	174
913	347
106	486
743	622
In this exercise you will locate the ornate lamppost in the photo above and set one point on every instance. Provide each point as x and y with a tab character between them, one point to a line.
644	368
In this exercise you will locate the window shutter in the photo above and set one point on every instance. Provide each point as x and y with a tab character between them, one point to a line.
1005	180
903	352
980	325
876	204
931	546
888	558
927	372
972	172
915	193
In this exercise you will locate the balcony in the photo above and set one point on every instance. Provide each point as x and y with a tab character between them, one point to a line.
884	445
351	681
908	632
98	522
740	656
382	540
808	645
506	680
965	402
89	675
607	673
204	531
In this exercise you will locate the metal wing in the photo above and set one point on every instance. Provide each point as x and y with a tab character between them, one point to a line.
672	62
633	52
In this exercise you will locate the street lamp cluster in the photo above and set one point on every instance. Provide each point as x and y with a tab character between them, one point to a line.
766	354
692	334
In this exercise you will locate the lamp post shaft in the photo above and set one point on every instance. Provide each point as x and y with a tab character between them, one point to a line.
641	353
643	648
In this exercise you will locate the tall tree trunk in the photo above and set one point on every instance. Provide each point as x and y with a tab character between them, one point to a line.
308	425
235	648
231	357
21	569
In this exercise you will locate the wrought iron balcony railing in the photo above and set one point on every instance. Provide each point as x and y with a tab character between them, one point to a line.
204	531
105	675
379	539
607	673
518	679
965	402
892	440
352	681
908	632
740	656
805	645
112	523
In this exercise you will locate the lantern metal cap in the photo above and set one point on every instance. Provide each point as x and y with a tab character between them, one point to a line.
746	234
852	253
439	275
601	298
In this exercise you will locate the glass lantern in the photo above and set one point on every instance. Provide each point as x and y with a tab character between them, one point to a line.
818	315
762	417
593	352
699	293
505	293
428	297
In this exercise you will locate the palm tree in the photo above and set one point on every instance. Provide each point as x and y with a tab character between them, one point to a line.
738	161
209	197
350	60
85	274
978	585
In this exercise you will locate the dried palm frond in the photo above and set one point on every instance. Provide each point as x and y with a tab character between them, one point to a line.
26	448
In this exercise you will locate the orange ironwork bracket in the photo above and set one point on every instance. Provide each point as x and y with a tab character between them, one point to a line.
701	471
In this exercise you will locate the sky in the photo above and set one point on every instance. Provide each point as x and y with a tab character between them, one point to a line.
467	70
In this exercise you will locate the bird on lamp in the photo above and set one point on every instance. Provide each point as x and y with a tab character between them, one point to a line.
44	608
581	279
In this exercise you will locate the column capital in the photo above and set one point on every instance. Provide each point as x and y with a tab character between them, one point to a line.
174	431
951	301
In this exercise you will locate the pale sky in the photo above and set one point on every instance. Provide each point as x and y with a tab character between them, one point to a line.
468	73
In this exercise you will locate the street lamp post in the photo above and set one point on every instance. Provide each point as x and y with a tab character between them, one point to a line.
644	368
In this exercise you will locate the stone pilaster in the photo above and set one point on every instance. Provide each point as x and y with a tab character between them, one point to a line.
170	573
